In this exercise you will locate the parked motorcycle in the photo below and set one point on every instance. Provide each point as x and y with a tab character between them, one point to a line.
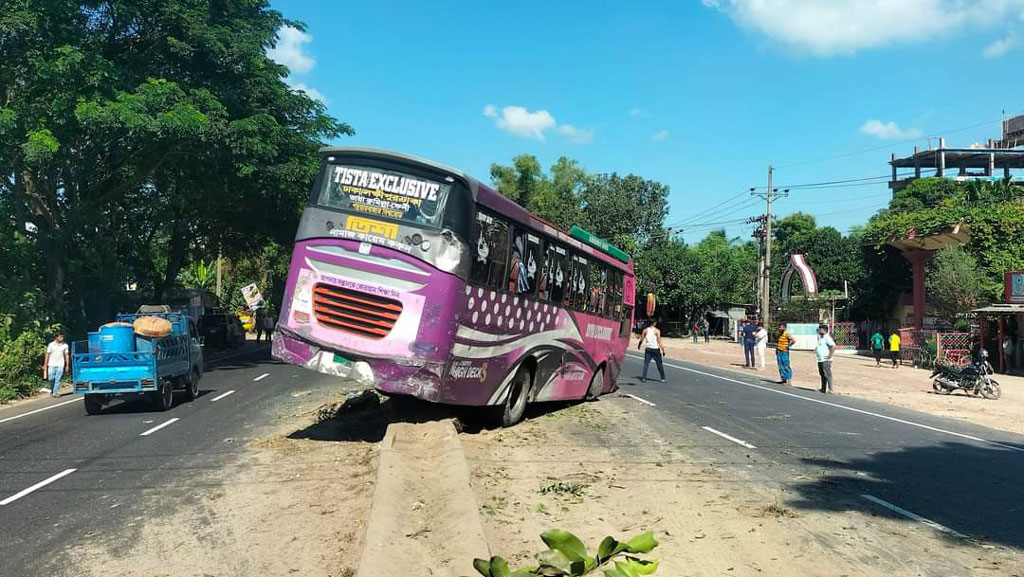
972	379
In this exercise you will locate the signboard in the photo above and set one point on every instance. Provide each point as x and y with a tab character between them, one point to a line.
1014	287
253	297
598	243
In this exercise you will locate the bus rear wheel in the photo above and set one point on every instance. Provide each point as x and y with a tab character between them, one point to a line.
514	407
596	385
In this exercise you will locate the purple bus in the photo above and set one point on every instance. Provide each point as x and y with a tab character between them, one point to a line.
429	283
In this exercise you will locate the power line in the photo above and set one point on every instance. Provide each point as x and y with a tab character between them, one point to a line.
889	145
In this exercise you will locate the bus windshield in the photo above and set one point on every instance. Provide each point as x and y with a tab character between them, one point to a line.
383	193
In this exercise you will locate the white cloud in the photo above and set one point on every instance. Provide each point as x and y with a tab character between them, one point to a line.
999	47
659	136
574	134
290	50
888	130
311	92
524	123
829	27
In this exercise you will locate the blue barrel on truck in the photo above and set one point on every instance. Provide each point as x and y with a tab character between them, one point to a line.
117	338
115	361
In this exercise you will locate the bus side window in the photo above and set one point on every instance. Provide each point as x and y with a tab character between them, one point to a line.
598	288
579	281
613	305
555	274
490	249
627	316
525	264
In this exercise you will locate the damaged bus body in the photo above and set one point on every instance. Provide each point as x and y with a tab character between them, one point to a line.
431	284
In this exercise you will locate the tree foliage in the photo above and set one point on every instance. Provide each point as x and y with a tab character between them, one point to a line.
954	283
139	135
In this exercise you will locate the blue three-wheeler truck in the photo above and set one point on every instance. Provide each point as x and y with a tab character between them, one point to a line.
117	361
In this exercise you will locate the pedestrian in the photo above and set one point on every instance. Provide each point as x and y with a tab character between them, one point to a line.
782	355
693	331
760	344
823	353
894	349
706	328
877	344
259	326
650	343
1008	349
747	336
56	359
268	325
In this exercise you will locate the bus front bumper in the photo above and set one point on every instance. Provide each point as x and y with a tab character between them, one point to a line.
420	379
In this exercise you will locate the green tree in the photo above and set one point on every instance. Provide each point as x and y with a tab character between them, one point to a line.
167	114
625	210
954	283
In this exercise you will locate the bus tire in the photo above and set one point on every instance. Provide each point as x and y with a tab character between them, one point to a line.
93	404
596	385
514	407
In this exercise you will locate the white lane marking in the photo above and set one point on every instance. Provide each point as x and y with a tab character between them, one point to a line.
915	517
158	427
38	485
636	398
41	410
845	408
261	377
221	396
729	437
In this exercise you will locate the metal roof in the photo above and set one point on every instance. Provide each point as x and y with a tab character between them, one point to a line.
1003	308
963	157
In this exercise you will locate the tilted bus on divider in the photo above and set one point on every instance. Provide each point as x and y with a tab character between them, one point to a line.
431	284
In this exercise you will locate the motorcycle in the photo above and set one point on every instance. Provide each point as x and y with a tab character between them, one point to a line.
973	379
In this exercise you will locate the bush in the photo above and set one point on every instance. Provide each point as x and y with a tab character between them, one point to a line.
21	358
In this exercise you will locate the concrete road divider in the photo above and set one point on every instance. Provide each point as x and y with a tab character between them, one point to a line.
424	519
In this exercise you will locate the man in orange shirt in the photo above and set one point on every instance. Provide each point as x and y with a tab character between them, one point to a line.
782	354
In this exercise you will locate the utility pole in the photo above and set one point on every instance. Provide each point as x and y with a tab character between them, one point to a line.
759	283
766	271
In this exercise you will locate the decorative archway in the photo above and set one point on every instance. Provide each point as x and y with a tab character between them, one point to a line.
797	265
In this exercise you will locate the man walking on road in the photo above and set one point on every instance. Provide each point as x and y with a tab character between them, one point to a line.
57	358
747	338
823	353
650	342
894	349
877	344
782	355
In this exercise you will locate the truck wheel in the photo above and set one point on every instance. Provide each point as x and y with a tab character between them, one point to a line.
514	407
192	385
163	398
93	404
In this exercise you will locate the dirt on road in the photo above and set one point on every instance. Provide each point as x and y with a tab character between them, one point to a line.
596	469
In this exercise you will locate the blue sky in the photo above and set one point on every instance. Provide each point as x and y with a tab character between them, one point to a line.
699	95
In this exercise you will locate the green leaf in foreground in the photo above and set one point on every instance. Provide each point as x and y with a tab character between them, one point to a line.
566	543
643	543
554	562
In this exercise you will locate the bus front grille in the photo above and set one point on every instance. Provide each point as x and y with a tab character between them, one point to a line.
355	312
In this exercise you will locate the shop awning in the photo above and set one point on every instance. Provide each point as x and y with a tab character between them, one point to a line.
1002	308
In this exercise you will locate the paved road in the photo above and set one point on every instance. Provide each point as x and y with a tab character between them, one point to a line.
110	466
965	479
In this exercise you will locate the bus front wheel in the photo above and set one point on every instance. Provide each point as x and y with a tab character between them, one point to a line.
514	407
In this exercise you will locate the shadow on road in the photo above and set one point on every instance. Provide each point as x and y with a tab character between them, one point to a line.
972	489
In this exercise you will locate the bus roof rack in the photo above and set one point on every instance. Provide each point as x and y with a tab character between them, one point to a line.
598	243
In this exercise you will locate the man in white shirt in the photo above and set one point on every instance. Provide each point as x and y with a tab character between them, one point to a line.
823	352
56	360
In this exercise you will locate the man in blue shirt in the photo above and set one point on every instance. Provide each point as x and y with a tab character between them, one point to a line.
747	334
823	352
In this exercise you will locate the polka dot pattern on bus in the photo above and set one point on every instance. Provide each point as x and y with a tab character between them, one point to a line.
502	315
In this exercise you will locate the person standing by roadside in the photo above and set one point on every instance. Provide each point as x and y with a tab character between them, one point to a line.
823	353
268	325
693	331
57	359
705	327
760	344
894	349
782	355
748	339
650	343
877	344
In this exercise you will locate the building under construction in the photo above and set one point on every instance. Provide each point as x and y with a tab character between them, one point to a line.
994	161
